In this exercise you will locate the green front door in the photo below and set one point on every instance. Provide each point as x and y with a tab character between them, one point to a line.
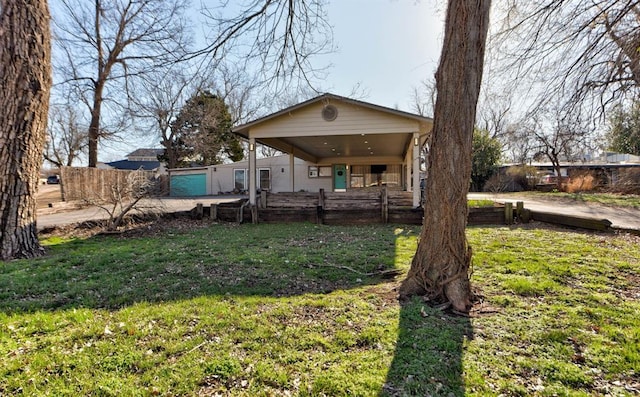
339	177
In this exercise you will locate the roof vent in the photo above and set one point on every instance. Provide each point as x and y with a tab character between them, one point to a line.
329	113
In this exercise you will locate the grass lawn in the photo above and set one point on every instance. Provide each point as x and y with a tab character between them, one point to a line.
302	310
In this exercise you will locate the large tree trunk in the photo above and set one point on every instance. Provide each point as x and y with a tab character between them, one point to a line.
440	268
25	70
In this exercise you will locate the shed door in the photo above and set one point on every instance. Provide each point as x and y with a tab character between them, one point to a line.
188	185
339	177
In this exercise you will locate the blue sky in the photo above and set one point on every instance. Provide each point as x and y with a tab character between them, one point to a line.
386	46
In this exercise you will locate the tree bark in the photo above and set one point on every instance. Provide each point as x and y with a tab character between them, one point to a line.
25	70
440	267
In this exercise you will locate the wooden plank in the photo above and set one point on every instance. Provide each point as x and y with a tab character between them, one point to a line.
351	217
409	216
271	215
486	216
508	213
263	199
385	206
352	195
213	212
572	221
355	206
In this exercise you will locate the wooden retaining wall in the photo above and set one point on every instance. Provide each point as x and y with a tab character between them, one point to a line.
337	208
365	207
353	207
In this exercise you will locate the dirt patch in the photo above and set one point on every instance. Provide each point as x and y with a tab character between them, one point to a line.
632	292
133	227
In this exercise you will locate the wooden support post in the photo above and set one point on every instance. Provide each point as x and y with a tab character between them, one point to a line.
508	213
263	199
524	215
199	211
213	213
385	205
254	214
320	209
519	208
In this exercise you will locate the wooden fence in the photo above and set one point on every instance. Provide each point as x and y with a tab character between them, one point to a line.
92	184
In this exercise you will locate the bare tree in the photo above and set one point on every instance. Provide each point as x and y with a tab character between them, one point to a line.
494	112
558	136
25	67
66	138
440	268
126	195
423	98
238	89
582	50
277	40
106	43
518	145
161	96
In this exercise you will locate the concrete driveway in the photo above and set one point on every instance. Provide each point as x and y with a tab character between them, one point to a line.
620	217
60	214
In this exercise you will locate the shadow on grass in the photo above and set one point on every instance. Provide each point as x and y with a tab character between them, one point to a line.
428	356
112	272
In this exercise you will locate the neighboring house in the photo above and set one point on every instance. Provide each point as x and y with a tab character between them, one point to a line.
608	166
139	159
331	142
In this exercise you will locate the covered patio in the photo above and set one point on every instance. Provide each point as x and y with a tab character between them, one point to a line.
347	145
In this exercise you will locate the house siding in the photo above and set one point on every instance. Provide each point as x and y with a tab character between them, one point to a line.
351	119
220	178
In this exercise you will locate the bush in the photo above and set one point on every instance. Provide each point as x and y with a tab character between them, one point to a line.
524	175
582	181
627	182
499	183
513	179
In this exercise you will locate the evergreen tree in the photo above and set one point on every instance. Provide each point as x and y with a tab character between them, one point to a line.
486	155
624	130
202	133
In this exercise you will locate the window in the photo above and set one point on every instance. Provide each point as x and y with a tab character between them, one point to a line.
376	175
240	180
264	179
324	170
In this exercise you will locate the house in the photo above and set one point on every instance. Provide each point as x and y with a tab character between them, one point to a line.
331	142
607	167
139	159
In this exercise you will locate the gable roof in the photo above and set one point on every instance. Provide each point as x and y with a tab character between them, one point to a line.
134	165
244	128
362	131
143	152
